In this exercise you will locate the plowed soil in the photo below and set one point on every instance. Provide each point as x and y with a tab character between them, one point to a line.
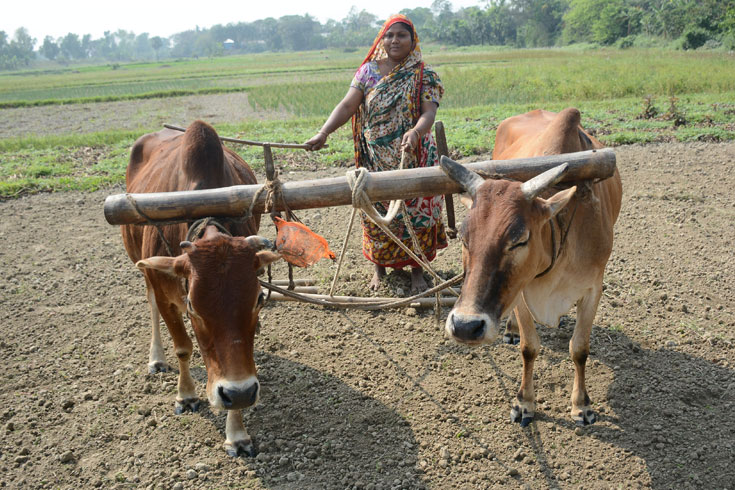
381	400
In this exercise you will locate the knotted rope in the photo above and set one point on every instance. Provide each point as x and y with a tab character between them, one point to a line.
358	179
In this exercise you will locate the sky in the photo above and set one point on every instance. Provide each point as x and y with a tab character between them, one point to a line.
162	18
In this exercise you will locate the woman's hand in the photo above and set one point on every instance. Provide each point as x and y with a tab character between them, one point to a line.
410	140
317	141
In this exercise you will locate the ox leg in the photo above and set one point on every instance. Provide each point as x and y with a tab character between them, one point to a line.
238	442
511	335
524	407
186	398
579	350
156	357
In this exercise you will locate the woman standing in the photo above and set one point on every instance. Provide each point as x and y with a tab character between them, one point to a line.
392	101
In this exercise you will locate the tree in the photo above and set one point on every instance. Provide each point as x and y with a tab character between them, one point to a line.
49	49
71	47
501	24
540	21
299	33
156	44
21	47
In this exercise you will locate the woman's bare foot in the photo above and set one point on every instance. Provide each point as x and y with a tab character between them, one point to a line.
377	277
418	283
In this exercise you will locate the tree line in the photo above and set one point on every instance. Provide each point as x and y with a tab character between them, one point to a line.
685	24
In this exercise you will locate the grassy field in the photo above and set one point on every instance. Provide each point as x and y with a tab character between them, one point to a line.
692	94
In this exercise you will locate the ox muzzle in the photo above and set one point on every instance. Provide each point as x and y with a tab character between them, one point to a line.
234	395
471	328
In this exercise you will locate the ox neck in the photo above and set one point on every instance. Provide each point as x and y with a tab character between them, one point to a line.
557	246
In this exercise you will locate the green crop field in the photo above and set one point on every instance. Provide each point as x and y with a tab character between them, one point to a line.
691	96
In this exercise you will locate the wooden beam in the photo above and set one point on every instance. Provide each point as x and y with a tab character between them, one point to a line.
176	207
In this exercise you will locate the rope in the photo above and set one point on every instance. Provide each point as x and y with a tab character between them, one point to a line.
357	180
342	253
132	201
197	228
378	305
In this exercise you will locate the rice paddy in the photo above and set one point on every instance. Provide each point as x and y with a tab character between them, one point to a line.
482	87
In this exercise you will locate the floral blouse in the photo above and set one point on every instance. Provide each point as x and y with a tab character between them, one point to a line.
368	76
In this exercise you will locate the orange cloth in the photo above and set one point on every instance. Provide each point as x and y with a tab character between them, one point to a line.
300	246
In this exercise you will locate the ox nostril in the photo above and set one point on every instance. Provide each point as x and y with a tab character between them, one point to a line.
251	394
224	396
478	330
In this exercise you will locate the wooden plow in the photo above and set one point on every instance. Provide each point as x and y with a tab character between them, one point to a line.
186	206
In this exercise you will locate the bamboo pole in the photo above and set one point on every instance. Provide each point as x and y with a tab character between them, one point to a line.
418	303
297	282
299	289
176	207
295	146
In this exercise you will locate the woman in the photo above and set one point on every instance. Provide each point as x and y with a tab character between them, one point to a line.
393	100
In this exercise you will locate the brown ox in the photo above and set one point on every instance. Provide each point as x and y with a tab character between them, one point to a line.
534	250
223	297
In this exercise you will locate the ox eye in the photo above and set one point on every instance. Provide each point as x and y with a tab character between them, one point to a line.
521	243
189	308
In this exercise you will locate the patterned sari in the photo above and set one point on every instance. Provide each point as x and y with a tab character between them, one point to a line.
391	106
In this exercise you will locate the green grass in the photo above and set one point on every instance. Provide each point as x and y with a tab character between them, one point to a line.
483	87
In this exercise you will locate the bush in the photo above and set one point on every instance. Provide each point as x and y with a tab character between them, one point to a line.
694	37
625	42
728	41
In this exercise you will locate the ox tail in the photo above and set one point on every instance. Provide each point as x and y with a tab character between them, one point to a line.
202	156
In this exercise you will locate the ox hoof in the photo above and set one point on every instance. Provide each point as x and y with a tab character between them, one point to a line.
240	448
188	405
511	339
521	416
158	367
584	417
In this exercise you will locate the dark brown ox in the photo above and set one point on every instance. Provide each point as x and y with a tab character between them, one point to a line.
534	250
223	296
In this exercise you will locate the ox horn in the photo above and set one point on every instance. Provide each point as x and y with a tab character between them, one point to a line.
260	243
468	179
187	246
536	185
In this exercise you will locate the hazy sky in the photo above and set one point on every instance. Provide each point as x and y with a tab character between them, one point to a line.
165	17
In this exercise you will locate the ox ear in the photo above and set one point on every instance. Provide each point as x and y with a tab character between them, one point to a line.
556	203
538	184
263	258
466	200
465	177
167	265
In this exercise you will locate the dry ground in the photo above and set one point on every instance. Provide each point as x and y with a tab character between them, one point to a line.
381	400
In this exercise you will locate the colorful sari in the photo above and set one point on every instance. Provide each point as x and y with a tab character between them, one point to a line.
391	106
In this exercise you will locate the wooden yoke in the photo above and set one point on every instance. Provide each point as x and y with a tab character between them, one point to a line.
176	207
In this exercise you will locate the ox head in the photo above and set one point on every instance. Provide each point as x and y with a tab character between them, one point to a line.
223	303
503	248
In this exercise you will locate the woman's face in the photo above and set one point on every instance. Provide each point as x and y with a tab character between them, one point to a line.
397	42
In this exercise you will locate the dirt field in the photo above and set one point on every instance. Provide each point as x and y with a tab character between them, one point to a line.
127	114
381	400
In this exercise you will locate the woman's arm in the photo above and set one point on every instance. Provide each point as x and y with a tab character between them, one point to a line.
340	115
412	137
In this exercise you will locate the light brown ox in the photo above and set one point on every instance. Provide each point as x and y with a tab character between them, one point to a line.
224	296
510	234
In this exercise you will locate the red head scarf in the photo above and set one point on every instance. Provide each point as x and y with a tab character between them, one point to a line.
378	52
